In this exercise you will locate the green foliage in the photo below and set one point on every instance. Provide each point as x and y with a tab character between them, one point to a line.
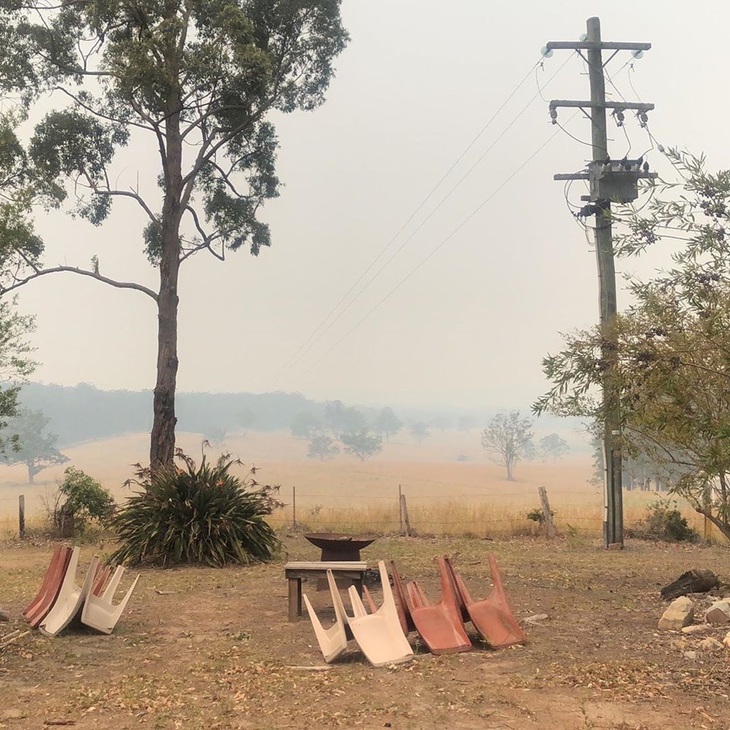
196	81
664	522
85	498
508	439
672	346
196	515
306	425
15	366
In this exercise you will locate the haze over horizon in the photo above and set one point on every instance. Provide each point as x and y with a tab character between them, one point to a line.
483	284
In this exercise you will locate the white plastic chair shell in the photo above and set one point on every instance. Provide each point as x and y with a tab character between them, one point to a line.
99	612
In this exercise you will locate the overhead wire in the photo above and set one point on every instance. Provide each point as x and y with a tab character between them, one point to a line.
330	320
415	212
433	252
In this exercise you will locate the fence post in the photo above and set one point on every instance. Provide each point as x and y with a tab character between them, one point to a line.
546	513
404	512
293	508
400	508
21	516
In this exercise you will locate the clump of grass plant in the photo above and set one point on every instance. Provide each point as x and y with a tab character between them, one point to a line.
199	515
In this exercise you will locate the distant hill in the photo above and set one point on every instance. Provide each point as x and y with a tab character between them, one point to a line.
83	413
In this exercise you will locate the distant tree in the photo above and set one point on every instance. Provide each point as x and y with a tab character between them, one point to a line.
553	447
215	434
441	422
508	439
245	420
32	447
306	425
322	447
420	431
362	443
387	424
466	423
15	363
341	419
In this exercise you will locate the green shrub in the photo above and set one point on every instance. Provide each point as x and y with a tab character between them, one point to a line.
83	497
664	521
196	515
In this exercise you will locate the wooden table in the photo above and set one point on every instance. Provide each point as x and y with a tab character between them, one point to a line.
294	573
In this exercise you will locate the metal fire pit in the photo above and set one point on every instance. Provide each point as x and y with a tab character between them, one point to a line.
339	547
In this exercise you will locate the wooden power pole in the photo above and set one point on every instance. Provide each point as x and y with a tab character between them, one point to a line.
609	181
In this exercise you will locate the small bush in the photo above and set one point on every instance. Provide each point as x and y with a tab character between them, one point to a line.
664	522
196	515
83	497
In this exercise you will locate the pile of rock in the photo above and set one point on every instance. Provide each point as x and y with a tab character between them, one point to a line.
682	614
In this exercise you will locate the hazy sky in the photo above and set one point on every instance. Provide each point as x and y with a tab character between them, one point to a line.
417	83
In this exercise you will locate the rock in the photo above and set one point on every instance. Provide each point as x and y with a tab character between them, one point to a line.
691	655
718	613
680	613
693	581
536	618
4	615
711	644
696	629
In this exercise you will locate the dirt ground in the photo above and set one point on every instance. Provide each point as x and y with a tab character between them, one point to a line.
207	648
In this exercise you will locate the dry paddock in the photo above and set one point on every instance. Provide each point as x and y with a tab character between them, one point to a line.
207	648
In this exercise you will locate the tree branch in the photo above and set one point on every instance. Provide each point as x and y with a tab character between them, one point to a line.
83	272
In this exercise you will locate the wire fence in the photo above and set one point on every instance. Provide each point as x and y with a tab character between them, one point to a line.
411	511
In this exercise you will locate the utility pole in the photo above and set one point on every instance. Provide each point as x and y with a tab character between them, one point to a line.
609	181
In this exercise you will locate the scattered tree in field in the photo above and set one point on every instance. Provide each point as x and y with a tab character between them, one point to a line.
198	80
31	446
15	364
362	443
339	418
553	446
508	439
671	371
387	424
322	447
305	425
420	431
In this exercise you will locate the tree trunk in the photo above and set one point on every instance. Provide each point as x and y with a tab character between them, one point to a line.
162	438
31	472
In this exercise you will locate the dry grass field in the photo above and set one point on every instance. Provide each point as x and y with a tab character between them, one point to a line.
451	486
212	649
205	648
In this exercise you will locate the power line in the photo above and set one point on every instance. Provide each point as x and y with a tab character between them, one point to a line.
435	250
329	320
408	220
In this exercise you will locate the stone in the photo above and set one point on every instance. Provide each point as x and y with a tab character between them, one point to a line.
691	655
696	629
4	615
680	613
711	644
718	613
536	618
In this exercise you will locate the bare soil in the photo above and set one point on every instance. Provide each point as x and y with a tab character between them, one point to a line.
207	648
